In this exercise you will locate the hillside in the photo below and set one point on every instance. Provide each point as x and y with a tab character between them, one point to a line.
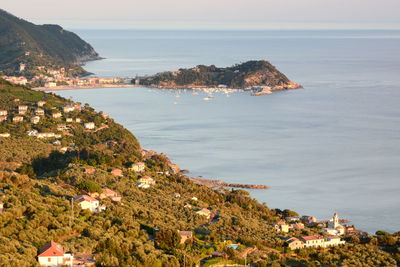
22	42
90	154
245	75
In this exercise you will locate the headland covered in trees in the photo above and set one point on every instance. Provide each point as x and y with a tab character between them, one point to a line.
257	75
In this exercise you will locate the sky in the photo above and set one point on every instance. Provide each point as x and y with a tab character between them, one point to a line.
210	14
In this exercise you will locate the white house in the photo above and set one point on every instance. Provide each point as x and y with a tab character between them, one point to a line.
68	108
147	180
316	241
88	203
45	135
56	115
138	167
35	119
89	125
39	112
22	109
52	255
18	119
3	112
41	103
204	212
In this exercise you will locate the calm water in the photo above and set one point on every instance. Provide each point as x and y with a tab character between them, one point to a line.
334	146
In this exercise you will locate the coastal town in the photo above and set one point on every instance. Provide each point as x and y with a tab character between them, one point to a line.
48	78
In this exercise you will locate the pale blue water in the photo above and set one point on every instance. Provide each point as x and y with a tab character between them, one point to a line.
334	146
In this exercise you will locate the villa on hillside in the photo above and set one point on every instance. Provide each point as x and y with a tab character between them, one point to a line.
145	182
117	172
138	167
22	109
52	255
88	203
282	227
1	206
56	115
41	103
3	112
39	112
5	135
3	118
68	109
18	119
204	212
89	125
35	119
294	243
316	241
107	193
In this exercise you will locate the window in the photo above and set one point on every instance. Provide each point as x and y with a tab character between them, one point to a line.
49	259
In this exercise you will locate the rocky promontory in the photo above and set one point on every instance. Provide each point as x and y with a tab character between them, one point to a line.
260	76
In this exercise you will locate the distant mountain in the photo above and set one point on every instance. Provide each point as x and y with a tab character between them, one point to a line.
22	42
248	74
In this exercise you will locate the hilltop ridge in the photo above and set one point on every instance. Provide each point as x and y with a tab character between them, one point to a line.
27	49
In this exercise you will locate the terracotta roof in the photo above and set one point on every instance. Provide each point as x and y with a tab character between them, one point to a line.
109	192
51	249
81	198
281	223
312	237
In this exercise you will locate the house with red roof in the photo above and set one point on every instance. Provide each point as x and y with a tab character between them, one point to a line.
52	255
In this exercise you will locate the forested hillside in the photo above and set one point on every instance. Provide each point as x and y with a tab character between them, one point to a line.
40	45
39	177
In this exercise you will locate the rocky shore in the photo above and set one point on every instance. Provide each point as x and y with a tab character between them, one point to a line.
219	183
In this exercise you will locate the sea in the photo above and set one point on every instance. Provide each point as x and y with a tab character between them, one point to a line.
333	146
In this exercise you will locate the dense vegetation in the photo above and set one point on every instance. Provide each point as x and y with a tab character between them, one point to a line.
251	73
38	181
39	45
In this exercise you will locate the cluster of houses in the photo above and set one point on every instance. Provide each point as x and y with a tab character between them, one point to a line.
54	78
91	201
333	229
52	255
38	113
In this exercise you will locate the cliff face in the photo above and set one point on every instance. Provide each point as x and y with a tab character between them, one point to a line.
39	45
245	75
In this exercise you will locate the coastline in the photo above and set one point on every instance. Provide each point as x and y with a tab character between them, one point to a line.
82	87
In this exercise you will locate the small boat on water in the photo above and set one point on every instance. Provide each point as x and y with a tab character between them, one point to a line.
206	98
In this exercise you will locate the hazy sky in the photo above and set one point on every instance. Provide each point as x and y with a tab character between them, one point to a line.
206	14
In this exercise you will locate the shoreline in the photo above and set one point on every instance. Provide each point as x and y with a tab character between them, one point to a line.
83	87
219	183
